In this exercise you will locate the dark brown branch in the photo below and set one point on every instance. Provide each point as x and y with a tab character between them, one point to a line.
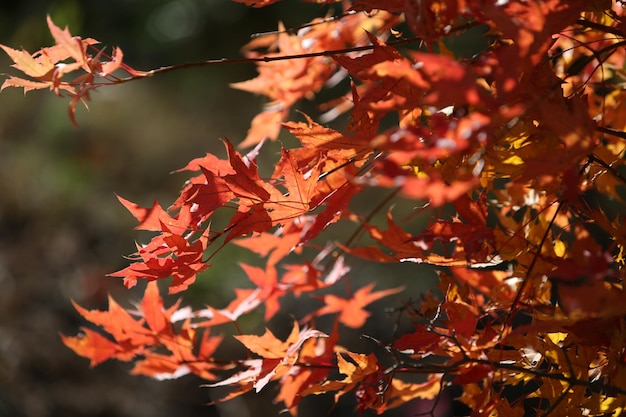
558	401
419	368
609	168
522	287
597	26
612	132
224	61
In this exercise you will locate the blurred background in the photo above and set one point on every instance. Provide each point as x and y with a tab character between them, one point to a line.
62	229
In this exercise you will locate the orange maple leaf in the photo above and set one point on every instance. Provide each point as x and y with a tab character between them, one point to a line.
362	372
38	66
314	351
267	282
50	65
300	187
355	369
314	135
351	310
92	345
278	358
179	353
285	82
72	45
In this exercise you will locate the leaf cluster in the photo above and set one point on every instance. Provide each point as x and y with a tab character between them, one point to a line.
517	151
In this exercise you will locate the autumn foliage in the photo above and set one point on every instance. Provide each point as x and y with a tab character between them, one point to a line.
515	152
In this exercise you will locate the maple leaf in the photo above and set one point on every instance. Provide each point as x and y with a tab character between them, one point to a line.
277	245
473	373
155	218
265	125
245	301
394	83
267	281
45	66
360	66
401	392
433	186
261	204
533	123
167	254
306	278
72	45
360	371
351	310
91	345
443	137
133	337
312	134
477	239
120	325
530	26
285	82
362	374
300	186
319	350
406	248
608	300
206	192
355	369
336	206
115	63
27	85
50	65
490	282
40	67
462	318
278	358
420	340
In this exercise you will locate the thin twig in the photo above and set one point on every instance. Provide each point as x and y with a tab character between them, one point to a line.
238	61
526	279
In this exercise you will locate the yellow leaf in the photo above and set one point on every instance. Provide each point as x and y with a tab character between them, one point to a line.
557	337
365	365
559	248
620	259
513	160
401	392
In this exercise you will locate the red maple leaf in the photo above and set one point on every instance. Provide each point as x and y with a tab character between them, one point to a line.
154	218
167	255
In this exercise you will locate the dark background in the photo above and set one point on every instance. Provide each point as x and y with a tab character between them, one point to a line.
61	227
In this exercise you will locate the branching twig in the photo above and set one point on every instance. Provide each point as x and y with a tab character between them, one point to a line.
526	279
239	61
